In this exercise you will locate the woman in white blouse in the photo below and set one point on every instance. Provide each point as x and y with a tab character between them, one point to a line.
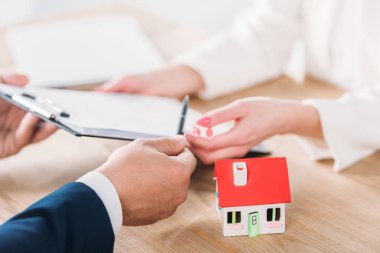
341	41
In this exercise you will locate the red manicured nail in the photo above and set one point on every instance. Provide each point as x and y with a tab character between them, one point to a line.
209	132
204	121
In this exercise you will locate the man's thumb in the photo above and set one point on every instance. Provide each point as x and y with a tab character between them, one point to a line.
171	146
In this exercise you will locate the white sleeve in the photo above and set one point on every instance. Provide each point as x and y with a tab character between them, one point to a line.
108	195
351	127
256	48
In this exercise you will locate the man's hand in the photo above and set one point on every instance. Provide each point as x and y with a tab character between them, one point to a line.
175	81
18	129
151	176
256	119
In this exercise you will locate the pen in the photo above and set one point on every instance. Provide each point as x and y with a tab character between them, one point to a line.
185	106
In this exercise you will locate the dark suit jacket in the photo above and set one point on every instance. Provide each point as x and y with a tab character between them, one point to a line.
71	219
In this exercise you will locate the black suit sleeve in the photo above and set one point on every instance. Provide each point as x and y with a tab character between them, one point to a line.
71	219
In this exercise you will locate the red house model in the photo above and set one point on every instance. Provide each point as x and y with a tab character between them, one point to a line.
251	195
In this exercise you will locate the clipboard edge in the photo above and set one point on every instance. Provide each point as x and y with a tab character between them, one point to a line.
24	108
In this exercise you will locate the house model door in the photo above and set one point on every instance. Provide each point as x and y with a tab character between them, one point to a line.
253	224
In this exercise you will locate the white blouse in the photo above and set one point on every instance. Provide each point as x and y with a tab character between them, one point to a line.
341	44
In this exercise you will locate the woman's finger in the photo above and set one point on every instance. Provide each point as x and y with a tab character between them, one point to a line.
124	84
209	157
43	131
14	79
26	129
232	111
234	137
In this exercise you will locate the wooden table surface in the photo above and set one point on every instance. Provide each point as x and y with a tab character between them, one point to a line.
329	212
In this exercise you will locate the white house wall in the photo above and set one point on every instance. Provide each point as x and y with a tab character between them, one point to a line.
245	210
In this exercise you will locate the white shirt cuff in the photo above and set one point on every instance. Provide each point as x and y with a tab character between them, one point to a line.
341	130
108	194
316	149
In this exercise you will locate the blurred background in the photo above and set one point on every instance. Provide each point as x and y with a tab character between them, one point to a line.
208	15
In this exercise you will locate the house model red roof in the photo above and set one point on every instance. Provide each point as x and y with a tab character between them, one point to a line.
267	182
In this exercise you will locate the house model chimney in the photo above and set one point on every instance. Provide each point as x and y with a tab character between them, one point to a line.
240	173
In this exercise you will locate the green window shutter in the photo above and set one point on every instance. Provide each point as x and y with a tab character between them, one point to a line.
234	217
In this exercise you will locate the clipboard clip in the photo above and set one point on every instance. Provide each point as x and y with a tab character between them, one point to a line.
44	107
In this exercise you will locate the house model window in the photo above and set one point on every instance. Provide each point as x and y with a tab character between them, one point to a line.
273	214
233	217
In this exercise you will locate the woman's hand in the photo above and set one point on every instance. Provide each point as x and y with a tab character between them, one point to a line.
17	128
175	81
256	119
